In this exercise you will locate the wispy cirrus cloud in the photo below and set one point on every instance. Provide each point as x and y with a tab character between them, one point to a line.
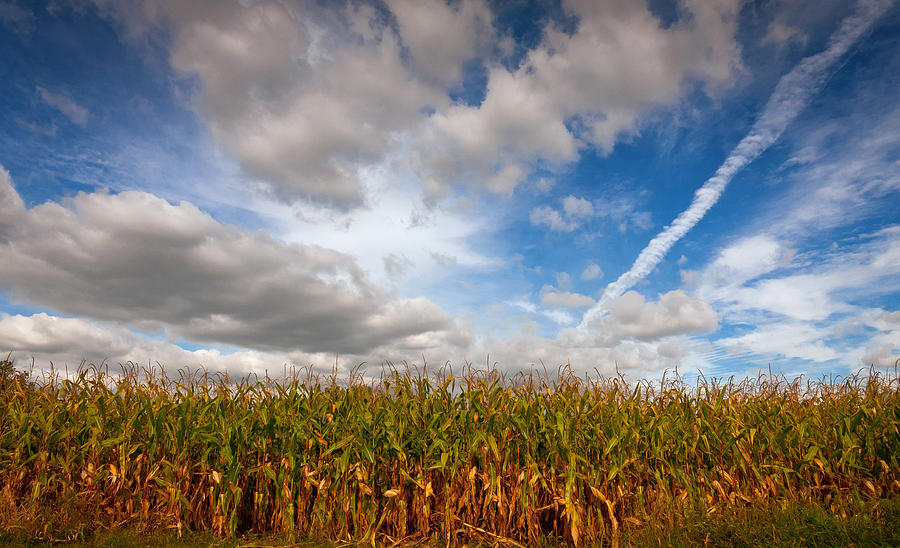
21	20
76	113
804	307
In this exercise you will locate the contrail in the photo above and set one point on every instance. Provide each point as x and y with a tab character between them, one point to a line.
790	96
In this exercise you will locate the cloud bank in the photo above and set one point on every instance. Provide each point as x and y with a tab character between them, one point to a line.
305	95
136	259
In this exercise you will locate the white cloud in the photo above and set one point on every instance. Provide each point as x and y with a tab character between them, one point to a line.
552	219
842	173
671	350
306	96
76	113
135	259
70	340
882	319
881	356
790	96
11	206
576	211
577	207
591	272
564	281
522	121
676	313
526	350
805	309
749	257
623	210
556	316
880	347
45	334
744	260
441	37
294	93
67	342
552	298
802	297
746	276
544	184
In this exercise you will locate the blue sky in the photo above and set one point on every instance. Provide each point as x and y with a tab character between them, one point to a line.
710	186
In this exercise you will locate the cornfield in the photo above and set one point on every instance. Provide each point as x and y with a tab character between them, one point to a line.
441	458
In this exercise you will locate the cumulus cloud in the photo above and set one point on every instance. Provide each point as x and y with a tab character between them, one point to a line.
45	334
552	219
591	272
562	296
671	350
135	259
551	297
525	349
304	96
11	206
575	212
441	37
674	313
790	96
76	113
545	111
68	342
881	356
577	207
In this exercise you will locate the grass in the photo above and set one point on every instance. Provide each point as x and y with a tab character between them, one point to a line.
444	459
790	525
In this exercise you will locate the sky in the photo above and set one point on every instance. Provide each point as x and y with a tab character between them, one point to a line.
621	187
